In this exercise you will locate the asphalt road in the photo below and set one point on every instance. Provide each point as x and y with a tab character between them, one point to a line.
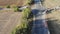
8	21
39	23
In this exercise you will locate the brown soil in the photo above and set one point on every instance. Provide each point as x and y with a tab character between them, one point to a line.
53	17
12	2
8	21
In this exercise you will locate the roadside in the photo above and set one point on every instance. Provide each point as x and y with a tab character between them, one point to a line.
53	16
8	21
12	21
25	26
53	20
26	21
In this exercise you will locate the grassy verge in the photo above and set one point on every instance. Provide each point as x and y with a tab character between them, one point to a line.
25	26
26	23
53	17
51	3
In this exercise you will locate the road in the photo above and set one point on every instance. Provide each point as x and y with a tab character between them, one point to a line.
8	21
39	23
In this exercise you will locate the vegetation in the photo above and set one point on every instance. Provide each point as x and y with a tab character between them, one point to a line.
53	18
51	3
31	1
8	6
16	8
24	27
26	13
28	2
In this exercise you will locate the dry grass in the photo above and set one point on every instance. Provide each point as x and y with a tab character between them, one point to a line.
53	17
55	14
7	10
51	3
54	21
12	2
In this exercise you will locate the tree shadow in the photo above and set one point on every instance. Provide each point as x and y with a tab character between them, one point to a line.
25	30
30	24
53	26
30	27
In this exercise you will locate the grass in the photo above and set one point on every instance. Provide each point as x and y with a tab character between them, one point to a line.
51	3
24	27
26	12
8	6
20	29
53	18
27	1
11	2
55	13
16	8
14	2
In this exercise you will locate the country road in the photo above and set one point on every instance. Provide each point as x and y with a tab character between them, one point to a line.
39	23
8	21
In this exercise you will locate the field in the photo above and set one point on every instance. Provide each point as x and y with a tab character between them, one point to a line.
12	2
53	18
51	3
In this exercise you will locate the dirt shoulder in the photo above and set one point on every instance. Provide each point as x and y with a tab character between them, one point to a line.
53	17
8	21
12	2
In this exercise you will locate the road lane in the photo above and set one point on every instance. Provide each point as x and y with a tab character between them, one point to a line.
39	23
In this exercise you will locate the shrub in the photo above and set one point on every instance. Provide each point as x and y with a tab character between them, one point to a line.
8	6
16	8
23	27
26	12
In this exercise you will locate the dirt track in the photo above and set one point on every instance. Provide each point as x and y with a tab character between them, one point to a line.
8	21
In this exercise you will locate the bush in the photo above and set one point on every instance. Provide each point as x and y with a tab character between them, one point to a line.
26	12
8	6
23	27
16	8
31	2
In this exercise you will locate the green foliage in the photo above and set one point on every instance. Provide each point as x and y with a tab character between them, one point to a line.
15	8
8	6
26	12
22	29
29	1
